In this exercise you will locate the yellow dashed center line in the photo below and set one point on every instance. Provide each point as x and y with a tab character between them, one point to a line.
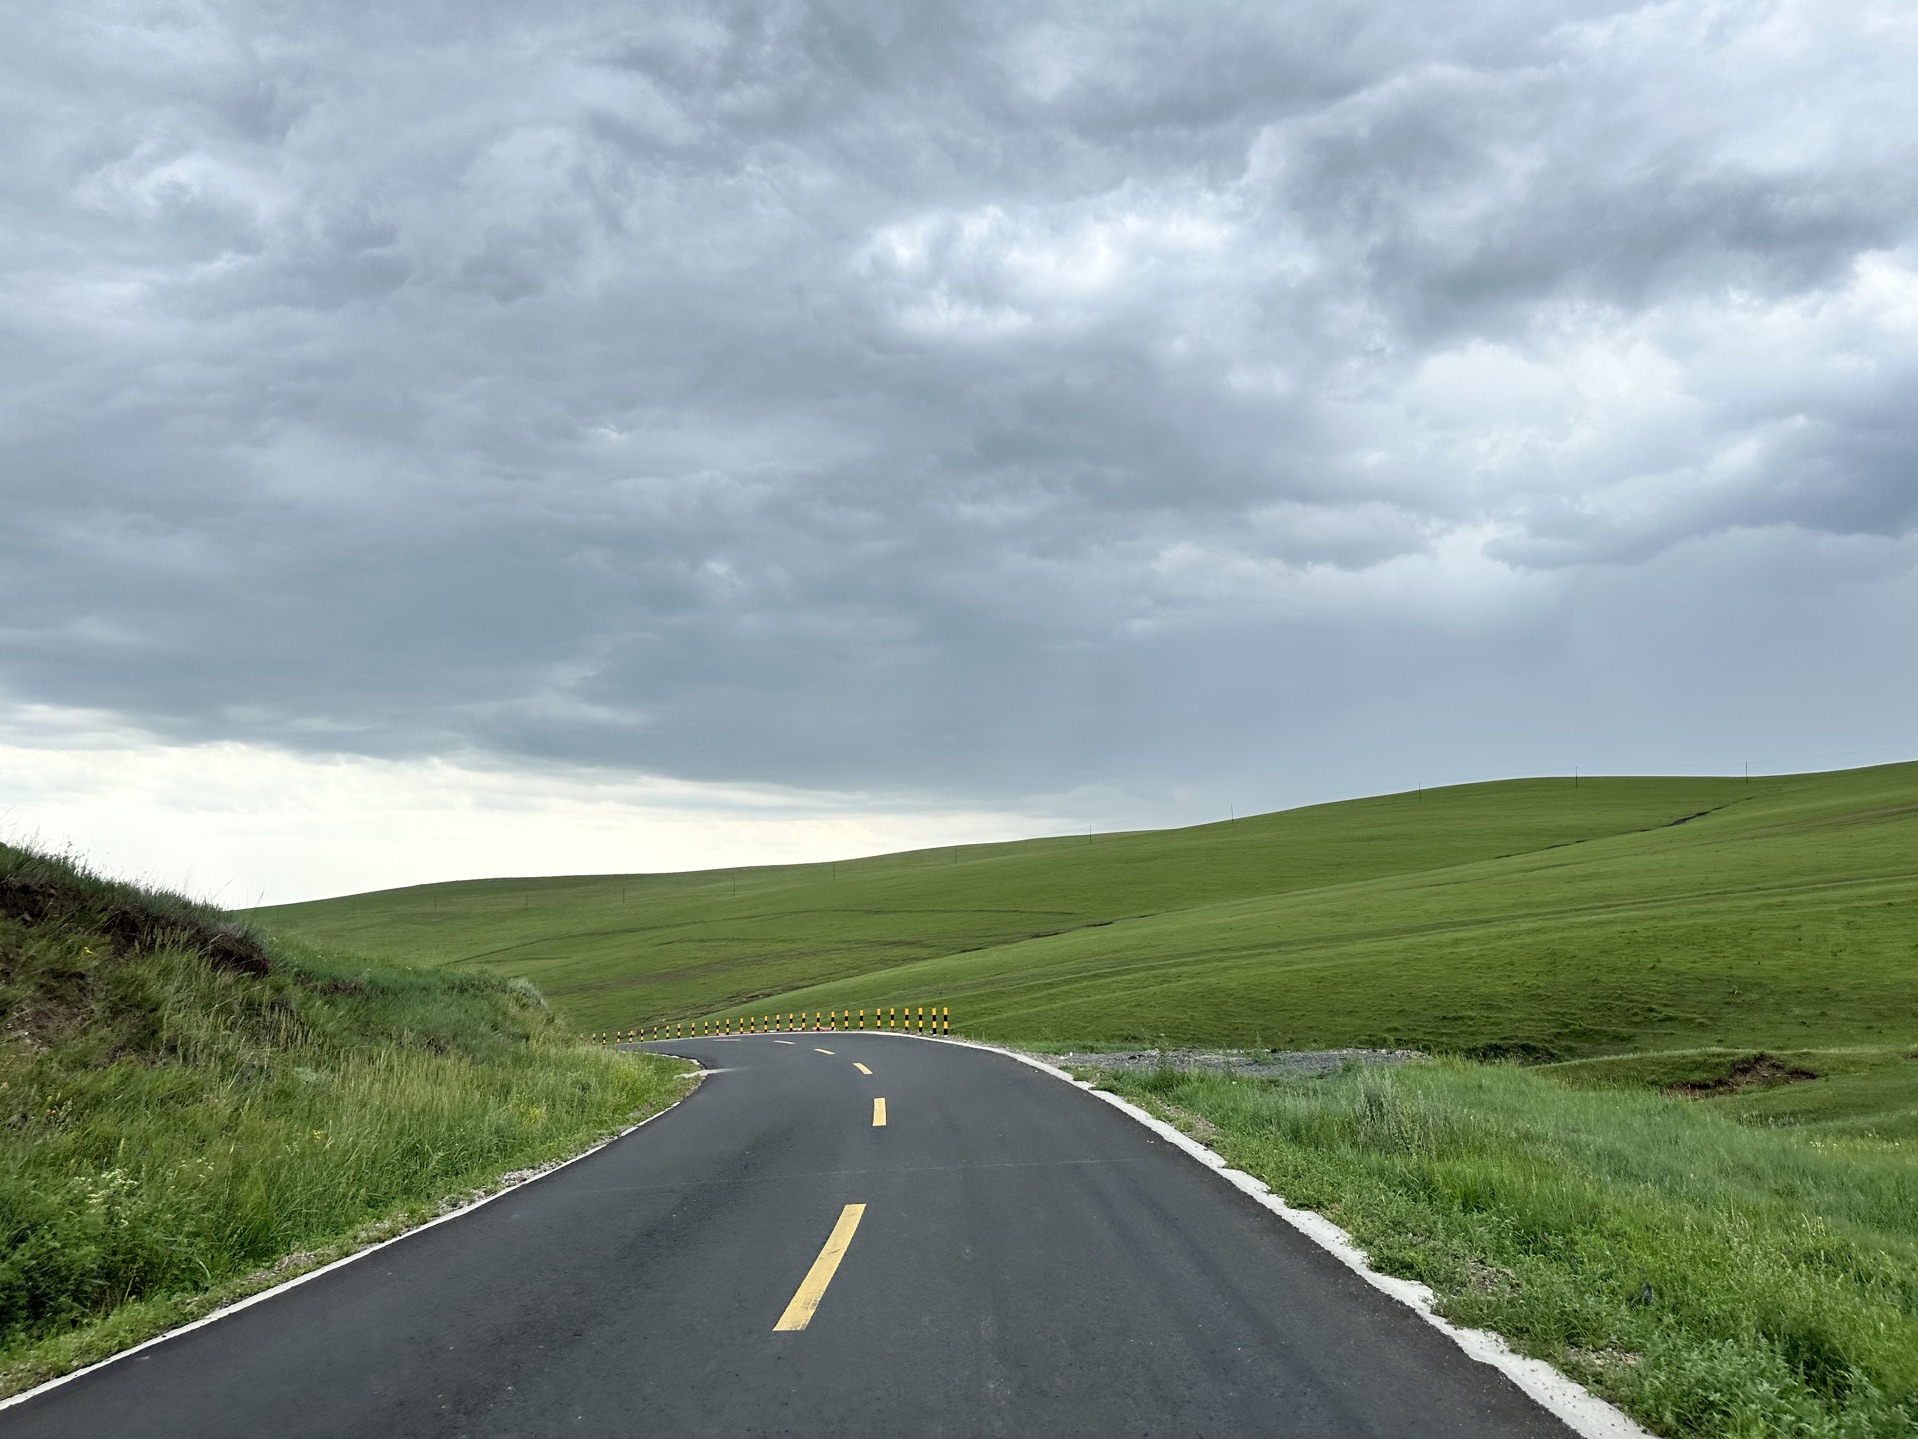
878	1113
813	1287
860	1067
817	1050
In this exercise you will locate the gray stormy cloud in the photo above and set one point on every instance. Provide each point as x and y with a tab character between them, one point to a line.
963	399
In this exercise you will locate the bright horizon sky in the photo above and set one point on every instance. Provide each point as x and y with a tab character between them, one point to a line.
242	825
453	441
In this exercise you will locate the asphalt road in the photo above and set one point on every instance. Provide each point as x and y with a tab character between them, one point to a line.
1028	1262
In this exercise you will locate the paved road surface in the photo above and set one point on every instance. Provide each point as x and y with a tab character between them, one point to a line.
1028	1262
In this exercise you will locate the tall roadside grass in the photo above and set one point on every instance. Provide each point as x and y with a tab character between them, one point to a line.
187	1115
1710	1278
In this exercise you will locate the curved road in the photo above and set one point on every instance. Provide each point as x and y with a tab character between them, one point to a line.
1028	1261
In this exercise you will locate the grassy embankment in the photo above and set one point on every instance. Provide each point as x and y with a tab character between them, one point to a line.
191	1115
1739	1262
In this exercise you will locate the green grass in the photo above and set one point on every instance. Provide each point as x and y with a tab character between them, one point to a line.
1530	918
1857	1092
1713	1278
190	1115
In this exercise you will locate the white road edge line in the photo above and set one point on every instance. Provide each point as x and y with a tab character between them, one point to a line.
1582	1411
237	1305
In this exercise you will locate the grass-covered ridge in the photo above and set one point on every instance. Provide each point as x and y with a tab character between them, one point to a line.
1717	1280
1536	918
186	1106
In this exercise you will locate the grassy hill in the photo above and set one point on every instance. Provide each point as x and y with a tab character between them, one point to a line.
191	1114
1536	917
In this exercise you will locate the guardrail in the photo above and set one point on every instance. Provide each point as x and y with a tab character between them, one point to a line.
926	1019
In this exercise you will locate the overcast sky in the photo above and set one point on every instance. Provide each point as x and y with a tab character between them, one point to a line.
906	422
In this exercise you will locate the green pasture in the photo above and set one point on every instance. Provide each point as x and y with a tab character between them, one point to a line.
1539	919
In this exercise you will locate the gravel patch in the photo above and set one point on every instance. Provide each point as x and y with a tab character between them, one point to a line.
1257	1063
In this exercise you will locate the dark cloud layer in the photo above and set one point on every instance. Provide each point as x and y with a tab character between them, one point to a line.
959	399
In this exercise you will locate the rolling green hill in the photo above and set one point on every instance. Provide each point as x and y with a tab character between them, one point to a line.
1532	917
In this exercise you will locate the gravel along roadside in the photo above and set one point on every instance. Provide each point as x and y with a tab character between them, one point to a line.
1260	1063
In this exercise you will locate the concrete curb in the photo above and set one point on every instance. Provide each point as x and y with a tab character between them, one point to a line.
250	1300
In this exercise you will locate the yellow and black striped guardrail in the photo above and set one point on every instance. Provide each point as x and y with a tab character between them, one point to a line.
925	1019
